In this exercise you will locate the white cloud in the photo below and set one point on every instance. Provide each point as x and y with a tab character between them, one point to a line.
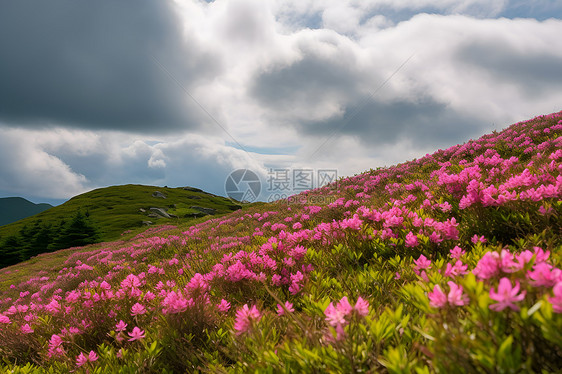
29	170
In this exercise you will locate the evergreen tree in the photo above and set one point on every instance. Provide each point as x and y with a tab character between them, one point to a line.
10	251
78	232
40	242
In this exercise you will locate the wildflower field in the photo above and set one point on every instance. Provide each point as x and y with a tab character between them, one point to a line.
449	264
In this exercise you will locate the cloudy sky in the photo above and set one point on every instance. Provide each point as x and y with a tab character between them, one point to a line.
98	93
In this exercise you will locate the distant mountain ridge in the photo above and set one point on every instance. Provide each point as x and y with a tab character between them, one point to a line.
13	209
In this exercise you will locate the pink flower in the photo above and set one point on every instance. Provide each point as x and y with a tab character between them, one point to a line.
544	274
437	298
26	329
421	263
4	319
288	306
55	341
362	307
456	296
245	317
475	239
556	300
120	326
411	240
344	306
92	356
55	346
506	295
136	334
104	285
334	316
457	269
137	309
507	264
488	266
456	252
223	306
131	281
81	359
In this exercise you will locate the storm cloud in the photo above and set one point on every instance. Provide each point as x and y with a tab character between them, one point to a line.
90	64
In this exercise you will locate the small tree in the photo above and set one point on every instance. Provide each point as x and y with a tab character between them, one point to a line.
78	232
40	242
10	251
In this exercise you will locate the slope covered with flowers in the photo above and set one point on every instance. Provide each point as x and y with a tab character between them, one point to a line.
448	263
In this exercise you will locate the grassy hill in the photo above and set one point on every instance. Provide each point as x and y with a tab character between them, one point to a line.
13	209
114	210
446	264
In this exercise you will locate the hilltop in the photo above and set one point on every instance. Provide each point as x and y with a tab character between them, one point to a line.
447	263
13	209
110	212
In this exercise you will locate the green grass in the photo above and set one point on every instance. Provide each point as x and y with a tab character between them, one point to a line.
116	209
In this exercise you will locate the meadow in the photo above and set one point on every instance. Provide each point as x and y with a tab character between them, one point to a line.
445	264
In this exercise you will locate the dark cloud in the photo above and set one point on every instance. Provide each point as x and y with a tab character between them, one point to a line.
309	81
315	80
382	123
532	73
88	64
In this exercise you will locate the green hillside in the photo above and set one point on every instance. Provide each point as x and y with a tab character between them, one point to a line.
13	209
450	263
114	210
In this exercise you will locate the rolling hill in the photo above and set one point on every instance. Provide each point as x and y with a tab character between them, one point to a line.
450	263
111	211
13	209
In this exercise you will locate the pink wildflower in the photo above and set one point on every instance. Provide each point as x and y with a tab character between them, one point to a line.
136	334
506	295
362	306
437	297
138	309
4	319
104	285
488	266
245	317
556	300
421	263
457	269
334	316
26	329
223	306
55	341
92	356
288	306
411	240
475	239
544	274
81	359
507	264
120	326
457	252
456	296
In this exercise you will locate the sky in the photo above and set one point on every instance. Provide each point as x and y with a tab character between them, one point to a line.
183	93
